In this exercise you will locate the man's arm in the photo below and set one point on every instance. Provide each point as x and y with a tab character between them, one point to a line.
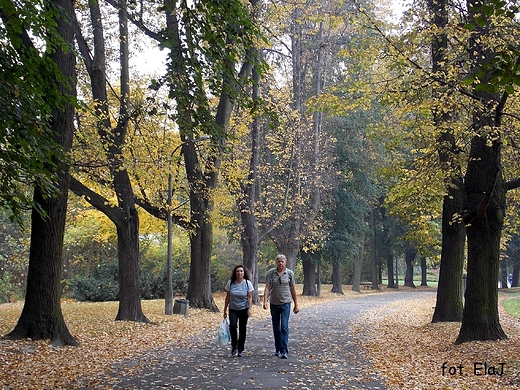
266	294
295	300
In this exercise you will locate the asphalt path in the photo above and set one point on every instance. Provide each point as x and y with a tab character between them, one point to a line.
324	353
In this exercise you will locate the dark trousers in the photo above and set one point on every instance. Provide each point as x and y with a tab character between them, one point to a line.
238	322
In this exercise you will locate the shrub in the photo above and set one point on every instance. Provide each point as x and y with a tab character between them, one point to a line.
9	292
101	285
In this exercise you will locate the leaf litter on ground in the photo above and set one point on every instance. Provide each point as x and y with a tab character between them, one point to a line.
405	348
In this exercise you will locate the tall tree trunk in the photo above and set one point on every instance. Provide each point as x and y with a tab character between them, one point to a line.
358	265
390	270
309	274
373	254
113	138
41	316
485	202
486	207
201	237
411	252
246	203
448	306
424	276
337	287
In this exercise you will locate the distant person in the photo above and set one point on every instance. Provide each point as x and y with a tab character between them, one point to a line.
239	298
280	290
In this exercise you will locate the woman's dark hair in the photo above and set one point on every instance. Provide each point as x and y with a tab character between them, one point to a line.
234	273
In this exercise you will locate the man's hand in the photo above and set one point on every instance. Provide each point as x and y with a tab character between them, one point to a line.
296	309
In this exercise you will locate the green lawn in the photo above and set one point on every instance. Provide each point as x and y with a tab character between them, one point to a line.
417	283
512	304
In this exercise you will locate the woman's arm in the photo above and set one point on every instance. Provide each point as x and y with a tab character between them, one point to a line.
226	303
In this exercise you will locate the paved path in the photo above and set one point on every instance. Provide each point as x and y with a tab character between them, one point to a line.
323	354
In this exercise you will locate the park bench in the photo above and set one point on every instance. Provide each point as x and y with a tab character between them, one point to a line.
366	285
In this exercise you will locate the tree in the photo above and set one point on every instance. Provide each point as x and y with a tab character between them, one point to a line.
123	214
448	306
409	258
225	49
485	191
41	317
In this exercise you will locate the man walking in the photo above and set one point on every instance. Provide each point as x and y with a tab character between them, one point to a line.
279	288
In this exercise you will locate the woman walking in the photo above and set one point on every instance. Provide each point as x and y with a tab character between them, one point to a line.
239	298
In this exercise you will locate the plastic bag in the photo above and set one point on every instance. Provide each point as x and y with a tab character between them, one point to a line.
223	335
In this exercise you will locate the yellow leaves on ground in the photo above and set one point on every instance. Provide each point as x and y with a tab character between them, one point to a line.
412	353
408	351
27	364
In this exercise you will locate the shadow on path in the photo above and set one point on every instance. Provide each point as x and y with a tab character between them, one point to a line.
323	354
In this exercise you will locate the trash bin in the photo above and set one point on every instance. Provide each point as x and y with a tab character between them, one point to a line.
181	306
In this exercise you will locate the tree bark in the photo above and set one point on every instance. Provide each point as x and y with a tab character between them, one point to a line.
411	252
309	275
448	306
41	316
358	265
486	207
485	201
246	202
337	287
373	254
424	276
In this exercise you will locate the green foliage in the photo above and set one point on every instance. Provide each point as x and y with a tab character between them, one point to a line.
100	286
9	291
501	71
14	256
27	88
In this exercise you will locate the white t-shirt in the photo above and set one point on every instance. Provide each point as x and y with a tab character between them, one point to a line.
238	294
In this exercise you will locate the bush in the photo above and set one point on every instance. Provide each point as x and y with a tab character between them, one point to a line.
9	292
101	285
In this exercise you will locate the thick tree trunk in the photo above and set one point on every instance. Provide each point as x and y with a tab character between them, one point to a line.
411	252
41	317
199	287
127	226
337	287
309	276
288	241
424	277
249	239
486	209
390	270
201	239
246	202
356	279
373	254
358	265
449	293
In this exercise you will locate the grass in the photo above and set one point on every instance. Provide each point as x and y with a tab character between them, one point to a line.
511	304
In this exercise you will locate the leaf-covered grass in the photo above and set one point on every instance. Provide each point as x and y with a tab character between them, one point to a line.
405	347
410	352
512	304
